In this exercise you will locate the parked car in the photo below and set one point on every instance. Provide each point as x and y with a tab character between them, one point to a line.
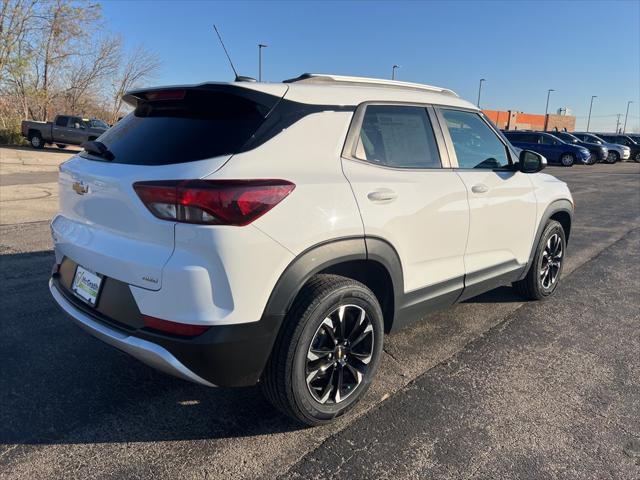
625	140
616	152
554	149
268	254
64	130
599	153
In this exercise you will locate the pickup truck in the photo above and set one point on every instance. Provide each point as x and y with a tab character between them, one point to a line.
64	130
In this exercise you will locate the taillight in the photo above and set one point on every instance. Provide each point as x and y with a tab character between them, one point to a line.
174	328
212	202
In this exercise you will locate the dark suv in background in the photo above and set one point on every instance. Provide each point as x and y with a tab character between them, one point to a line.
626	140
554	149
599	153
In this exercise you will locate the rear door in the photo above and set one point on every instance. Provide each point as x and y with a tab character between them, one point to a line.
103	225
408	195
502	205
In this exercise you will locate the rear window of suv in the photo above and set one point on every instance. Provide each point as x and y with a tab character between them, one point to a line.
203	124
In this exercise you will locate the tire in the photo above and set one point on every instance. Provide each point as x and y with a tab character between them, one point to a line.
61	146
637	158
286	380
613	157
567	160
593	159
537	285
36	140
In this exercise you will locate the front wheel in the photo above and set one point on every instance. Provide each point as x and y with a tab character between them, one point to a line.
327	352
613	157
636	158
567	160
544	272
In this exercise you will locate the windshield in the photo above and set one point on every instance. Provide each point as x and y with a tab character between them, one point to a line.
595	139
567	137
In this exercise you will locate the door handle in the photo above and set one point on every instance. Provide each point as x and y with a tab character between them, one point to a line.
480	188
383	195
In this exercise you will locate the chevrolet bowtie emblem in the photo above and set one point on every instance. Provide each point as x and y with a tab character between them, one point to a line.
80	188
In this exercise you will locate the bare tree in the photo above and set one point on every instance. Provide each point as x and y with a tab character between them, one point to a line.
16	18
138	67
93	68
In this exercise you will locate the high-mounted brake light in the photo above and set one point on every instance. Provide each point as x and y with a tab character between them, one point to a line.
174	328
212	202
165	95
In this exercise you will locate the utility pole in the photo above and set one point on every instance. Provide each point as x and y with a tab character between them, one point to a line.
260	47
618	122
590	107
546	109
624	129
393	71
480	90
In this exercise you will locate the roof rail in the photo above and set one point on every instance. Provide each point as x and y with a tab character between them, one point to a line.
320	78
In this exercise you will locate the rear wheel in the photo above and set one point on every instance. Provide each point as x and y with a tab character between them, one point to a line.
567	160
327	352
36	140
544	273
613	157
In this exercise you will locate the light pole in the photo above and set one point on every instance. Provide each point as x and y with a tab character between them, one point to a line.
618	121
624	128
393	71
480	90
590	107
260	47
546	109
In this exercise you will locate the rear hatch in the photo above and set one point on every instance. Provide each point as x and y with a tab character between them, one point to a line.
173	134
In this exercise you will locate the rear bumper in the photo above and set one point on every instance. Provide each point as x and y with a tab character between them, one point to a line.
226	355
147	352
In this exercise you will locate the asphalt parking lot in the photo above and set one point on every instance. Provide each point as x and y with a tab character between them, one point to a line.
492	388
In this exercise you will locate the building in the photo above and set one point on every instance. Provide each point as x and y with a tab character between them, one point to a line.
512	120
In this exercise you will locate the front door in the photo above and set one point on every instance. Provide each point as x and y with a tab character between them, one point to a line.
502	205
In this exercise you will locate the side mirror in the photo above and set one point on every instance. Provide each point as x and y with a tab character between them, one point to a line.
531	162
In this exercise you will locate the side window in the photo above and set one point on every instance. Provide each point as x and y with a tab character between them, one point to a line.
75	121
476	145
547	140
397	136
62	121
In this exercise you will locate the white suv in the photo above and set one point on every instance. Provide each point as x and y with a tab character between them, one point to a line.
236	233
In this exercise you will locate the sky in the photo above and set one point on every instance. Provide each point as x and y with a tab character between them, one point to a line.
521	48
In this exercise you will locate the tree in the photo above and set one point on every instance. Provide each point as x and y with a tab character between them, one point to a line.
139	66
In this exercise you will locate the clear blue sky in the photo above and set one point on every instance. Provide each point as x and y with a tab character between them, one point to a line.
578	48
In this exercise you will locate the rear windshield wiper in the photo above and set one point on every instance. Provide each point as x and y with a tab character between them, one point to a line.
98	148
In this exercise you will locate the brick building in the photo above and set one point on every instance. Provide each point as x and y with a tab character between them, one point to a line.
510	120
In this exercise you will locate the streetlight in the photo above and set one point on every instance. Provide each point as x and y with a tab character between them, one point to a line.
480	90
546	109
393	71
590	106
624	128
260	47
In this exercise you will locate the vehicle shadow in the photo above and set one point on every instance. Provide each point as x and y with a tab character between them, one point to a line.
60	385
499	295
